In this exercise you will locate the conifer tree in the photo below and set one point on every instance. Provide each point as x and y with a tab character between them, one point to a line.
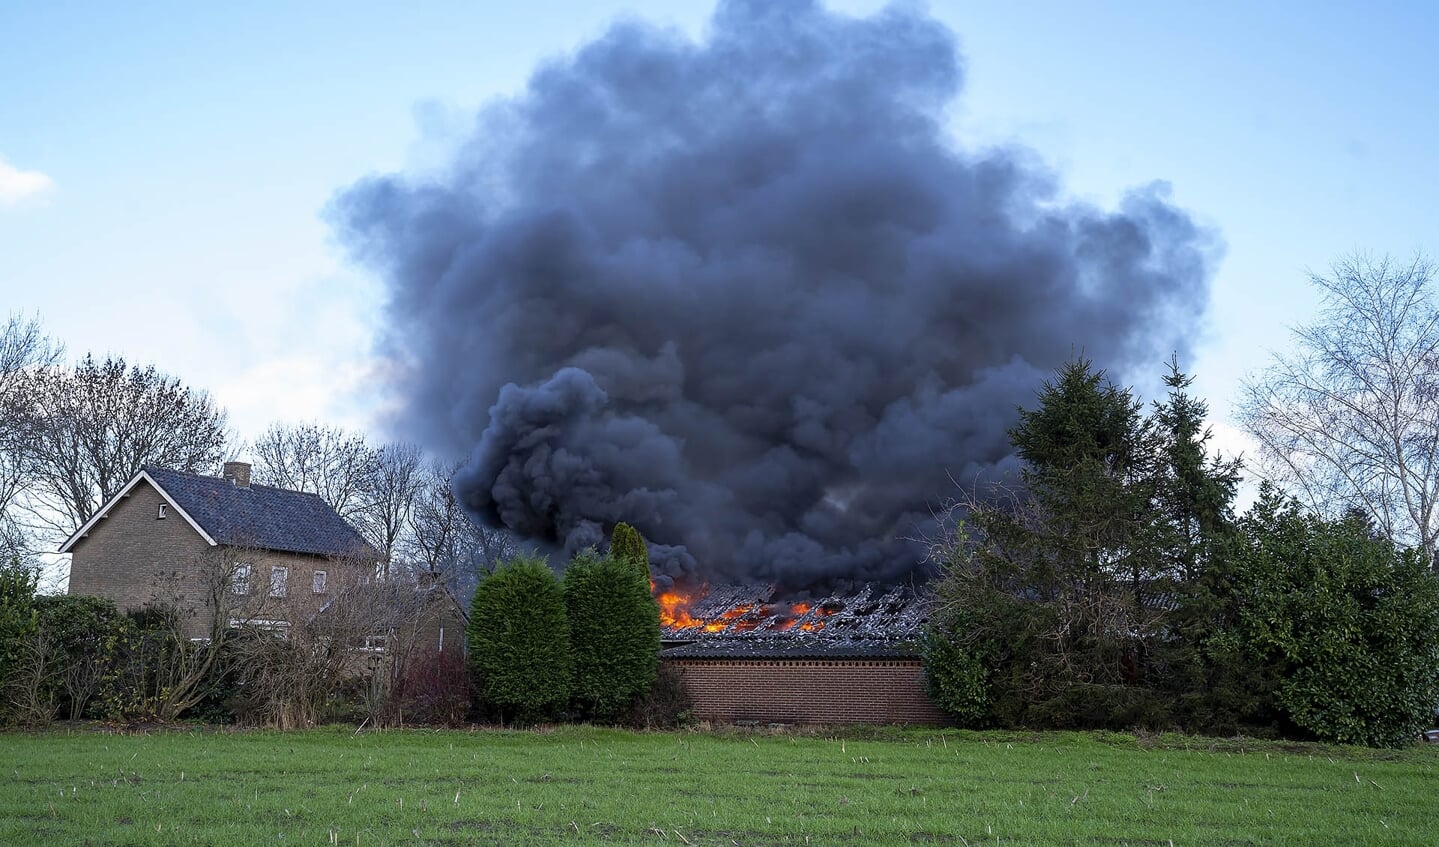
519	641
627	545
615	633
1048	589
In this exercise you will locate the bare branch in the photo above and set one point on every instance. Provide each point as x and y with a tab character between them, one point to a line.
1350	420
390	498
91	427
328	461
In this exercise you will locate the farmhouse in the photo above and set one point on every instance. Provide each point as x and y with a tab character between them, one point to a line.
263	555
746	657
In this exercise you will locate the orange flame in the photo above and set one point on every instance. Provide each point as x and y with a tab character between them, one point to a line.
674	611
675	614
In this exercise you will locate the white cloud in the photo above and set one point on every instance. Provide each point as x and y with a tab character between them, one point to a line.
303	386
1231	442
17	185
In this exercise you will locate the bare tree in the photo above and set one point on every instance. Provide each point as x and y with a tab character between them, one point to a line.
444	541
328	461
24	349
182	666
1350	419
390	498
91	427
290	677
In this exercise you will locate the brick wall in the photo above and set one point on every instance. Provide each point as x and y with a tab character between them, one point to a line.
135	558
808	690
437	625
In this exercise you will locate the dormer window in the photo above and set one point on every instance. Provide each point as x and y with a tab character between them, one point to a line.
160	515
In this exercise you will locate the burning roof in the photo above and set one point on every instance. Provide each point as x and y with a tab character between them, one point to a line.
750	617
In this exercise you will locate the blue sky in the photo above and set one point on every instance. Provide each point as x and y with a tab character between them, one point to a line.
164	167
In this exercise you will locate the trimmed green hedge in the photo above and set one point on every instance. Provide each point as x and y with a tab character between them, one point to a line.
614	632
519	642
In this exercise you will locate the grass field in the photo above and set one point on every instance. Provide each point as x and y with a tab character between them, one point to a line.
592	786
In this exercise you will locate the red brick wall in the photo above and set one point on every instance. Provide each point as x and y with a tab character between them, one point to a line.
808	690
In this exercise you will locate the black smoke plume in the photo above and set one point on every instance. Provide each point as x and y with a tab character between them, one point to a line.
747	293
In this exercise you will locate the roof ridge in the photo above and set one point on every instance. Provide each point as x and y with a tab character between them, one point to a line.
220	479
267	516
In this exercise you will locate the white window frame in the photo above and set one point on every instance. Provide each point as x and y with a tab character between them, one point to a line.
160	513
240	582
320	582
277	628
279	580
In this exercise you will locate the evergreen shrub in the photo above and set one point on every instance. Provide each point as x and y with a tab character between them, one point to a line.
614	632
519	642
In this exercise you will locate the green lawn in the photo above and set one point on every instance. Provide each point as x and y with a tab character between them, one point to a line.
589	786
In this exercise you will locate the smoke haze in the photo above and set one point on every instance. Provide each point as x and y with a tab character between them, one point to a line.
748	294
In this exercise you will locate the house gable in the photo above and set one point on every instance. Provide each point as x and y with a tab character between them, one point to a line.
135	558
125	493
166	538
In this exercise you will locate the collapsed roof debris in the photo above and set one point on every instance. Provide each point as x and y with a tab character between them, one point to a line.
747	620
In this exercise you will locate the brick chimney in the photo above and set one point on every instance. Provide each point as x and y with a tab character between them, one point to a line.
238	473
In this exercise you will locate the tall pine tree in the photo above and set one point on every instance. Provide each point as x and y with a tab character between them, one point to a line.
1051	587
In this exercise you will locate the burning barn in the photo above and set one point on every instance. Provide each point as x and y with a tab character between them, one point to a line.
745	655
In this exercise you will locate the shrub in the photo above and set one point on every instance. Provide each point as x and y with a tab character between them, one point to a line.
614	634
956	679
57	649
665	706
519	641
1351	624
17	625
435	689
85	632
1098	706
146	654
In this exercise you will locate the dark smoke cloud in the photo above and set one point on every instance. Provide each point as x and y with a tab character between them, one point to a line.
748	295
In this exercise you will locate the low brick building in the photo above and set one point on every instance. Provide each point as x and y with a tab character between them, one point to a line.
196	543
804	681
748	654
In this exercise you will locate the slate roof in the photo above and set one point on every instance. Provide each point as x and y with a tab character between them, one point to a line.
261	516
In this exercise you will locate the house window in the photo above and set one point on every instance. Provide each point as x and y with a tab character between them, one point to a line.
375	643
241	582
278	629
320	579
160	515
279	581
